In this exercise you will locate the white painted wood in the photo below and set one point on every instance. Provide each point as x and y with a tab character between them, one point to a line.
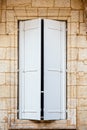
30	69
54	70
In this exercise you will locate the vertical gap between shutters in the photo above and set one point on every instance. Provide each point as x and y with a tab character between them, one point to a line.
42	69
66	68
18	76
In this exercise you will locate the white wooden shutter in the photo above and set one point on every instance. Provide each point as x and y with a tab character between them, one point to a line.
29	69
54	70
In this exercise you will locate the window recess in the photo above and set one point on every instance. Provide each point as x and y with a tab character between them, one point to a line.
42	65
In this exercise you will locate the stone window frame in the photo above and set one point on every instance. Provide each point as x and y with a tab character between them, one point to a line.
13	121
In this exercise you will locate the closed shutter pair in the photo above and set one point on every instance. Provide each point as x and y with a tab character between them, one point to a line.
42	69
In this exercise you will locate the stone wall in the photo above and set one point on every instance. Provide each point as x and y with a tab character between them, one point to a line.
71	10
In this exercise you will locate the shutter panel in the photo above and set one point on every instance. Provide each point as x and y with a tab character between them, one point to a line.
54	70
30	69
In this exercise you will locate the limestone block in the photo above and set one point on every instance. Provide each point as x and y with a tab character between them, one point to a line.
72	54
4	91
4	66
82	42
13	66
11	53
75	16
2	78
81	66
3	117
3	4
2	28
83	28
42	3
3	104
72	41
64	12
62	3
74	28
82	118
71	78
20	12
83	54
82	127
11	104
0	3
72	116
82	80
11	78
0	15
8	91
71	91
82	91
7	41
53	12
76	4
18	2
2	53
3	16
10	28
82	102
42	11
32	12
81	16
3	126
10	15
72	103
72	66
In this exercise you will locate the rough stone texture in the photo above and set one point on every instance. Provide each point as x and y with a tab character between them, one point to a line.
70	10
62	3
44	3
76	4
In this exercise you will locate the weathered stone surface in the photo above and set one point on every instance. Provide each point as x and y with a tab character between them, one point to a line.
72	54
62	3
76	4
64	12
4	66
82	79
11	53
44	3
81	15
82	118
53	12
2	28
32	12
75	16
74	28
10	15
71	91
2	53
2	78
42	12
7	41
82	91
82	66
83	28
71	78
18	2
20	12
11	79
82	54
